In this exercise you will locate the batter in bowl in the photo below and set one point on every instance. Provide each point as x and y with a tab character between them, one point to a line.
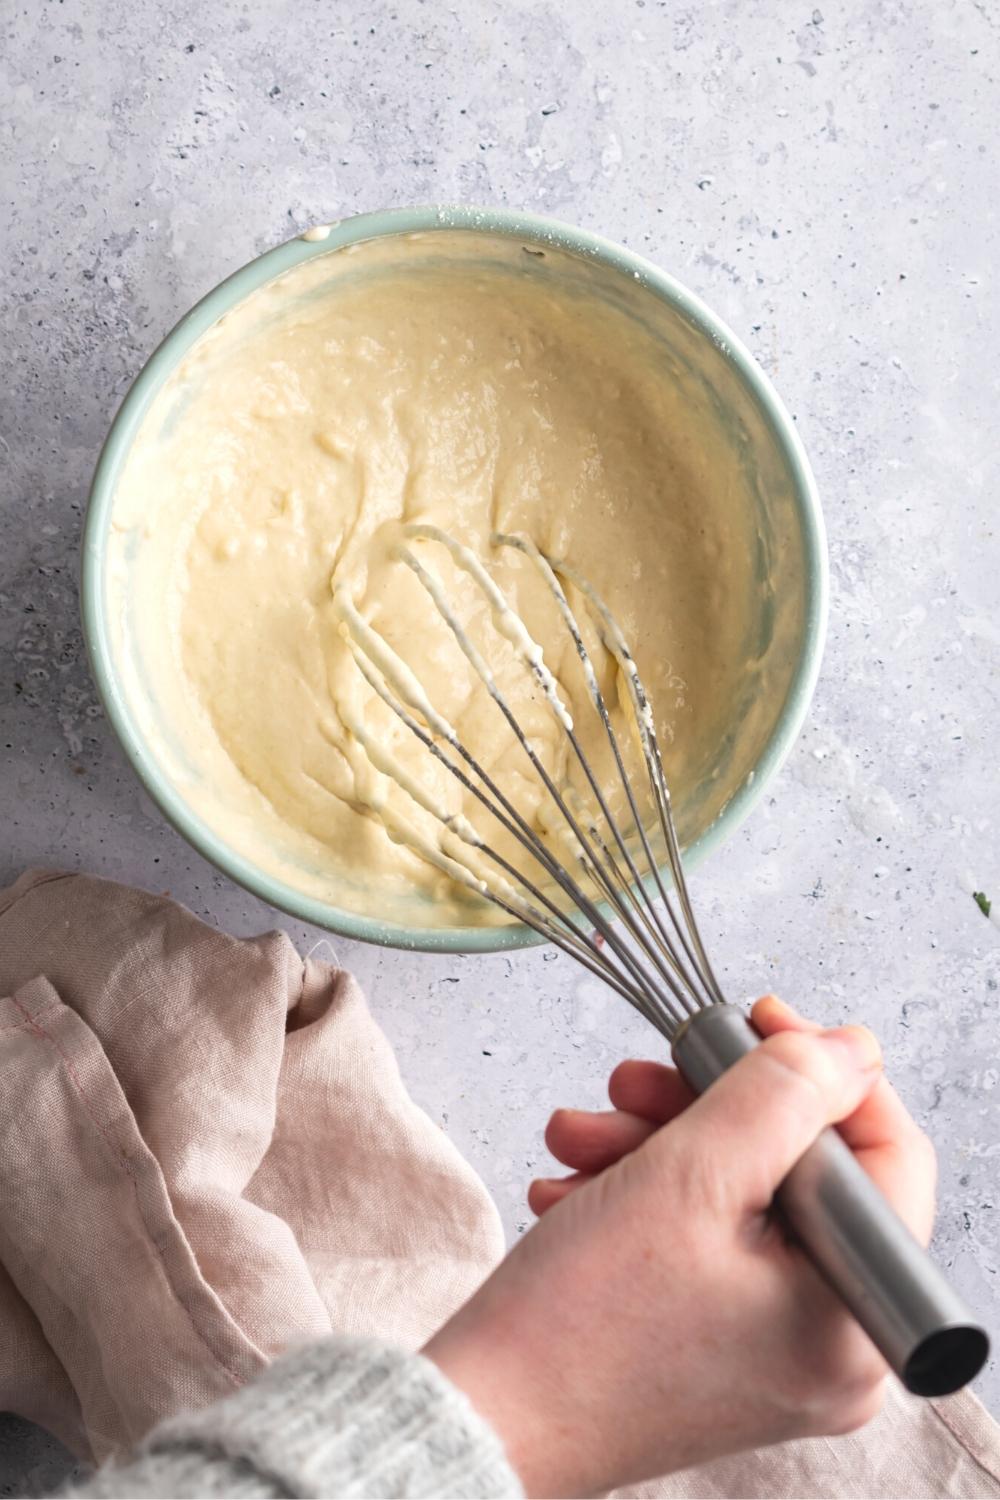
362	393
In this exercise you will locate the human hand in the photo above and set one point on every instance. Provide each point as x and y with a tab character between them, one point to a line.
658	1316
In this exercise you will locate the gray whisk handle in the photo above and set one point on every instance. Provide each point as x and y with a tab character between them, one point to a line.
853	1236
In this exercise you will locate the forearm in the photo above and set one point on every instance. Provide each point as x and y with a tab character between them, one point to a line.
340	1418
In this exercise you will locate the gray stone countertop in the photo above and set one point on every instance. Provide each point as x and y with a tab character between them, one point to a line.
826	177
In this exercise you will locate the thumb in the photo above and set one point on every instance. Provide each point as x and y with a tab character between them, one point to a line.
766	1110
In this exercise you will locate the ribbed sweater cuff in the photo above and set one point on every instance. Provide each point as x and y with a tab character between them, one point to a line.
349	1417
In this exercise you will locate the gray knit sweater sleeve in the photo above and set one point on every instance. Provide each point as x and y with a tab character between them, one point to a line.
345	1417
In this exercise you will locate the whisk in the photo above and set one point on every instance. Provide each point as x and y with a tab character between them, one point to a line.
610	907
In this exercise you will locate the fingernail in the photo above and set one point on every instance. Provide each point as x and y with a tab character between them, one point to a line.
863	1048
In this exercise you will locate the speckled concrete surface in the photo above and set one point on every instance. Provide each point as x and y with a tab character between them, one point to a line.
826	177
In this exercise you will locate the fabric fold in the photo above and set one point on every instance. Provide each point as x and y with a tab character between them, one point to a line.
207	1157
55	1242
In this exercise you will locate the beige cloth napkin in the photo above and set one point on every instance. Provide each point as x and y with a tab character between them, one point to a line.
914	1450
207	1154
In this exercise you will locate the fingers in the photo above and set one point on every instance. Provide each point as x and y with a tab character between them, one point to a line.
649	1089
646	1096
903	1167
766	1110
545	1192
771	1015
590	1142
761	1116
886	1139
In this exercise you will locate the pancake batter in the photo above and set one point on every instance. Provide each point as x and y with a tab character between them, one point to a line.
360	394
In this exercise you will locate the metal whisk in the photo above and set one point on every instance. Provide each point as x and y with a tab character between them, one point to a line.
609	906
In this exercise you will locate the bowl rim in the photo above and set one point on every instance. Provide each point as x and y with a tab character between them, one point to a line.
221	299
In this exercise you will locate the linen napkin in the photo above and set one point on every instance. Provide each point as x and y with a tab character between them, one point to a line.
206	1155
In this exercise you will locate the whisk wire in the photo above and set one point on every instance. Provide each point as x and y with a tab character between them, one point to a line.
615	642
610	889
638	945
686	976
693	985
642	990
637	954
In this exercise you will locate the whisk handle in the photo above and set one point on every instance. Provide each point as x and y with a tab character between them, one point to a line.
864	1250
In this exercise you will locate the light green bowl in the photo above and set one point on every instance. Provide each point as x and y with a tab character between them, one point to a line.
774	458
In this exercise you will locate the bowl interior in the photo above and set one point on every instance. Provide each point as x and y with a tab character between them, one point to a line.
738	441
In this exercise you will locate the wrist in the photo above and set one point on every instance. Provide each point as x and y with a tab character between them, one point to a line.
513	1386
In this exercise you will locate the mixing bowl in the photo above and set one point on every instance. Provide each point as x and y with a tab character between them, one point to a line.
749	436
